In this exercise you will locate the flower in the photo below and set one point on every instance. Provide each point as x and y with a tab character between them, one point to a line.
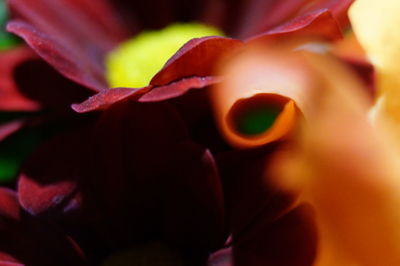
87	43
152	165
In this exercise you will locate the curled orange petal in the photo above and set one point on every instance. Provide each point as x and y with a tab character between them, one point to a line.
259	100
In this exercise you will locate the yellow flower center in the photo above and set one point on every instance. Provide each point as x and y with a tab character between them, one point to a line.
137	60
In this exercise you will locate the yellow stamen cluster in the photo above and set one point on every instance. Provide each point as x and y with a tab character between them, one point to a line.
137	60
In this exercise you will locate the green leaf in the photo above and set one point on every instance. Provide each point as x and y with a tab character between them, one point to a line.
3	12
7	40
14	149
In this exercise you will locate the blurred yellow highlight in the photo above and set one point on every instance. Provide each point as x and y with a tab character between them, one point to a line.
376	25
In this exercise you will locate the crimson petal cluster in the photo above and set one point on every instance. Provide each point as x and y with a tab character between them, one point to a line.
149	165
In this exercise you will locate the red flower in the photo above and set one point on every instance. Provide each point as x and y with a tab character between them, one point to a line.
152	164
77	47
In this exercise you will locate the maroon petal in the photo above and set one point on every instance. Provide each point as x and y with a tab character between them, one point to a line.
11	99
222	257
37	198
35	242
259	15
136	13
223	14
8	260
48	179
320	24
290	240
247	194
135	148
196	110
102	14
106	98
72	22
69	60
27	83
196	58
215	13
26	240
164	186
41	83
262	16
9	207
338	8
178	88
71	35
133	141
10	128
193	200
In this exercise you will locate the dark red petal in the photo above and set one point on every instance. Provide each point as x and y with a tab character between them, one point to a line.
48	179
136	13
36	242
30	241
178	88
196	110
73	23
27	83
37	198
214	12
225	14
9	128
8	260
73	36
9	207
42	83
197	57
247	193
130	149
222	257
290	240
259	15
11	99
106	98
338	8
164	185
320	24
102	14
193	200
82	67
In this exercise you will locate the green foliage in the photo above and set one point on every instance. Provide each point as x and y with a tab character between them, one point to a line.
7	40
